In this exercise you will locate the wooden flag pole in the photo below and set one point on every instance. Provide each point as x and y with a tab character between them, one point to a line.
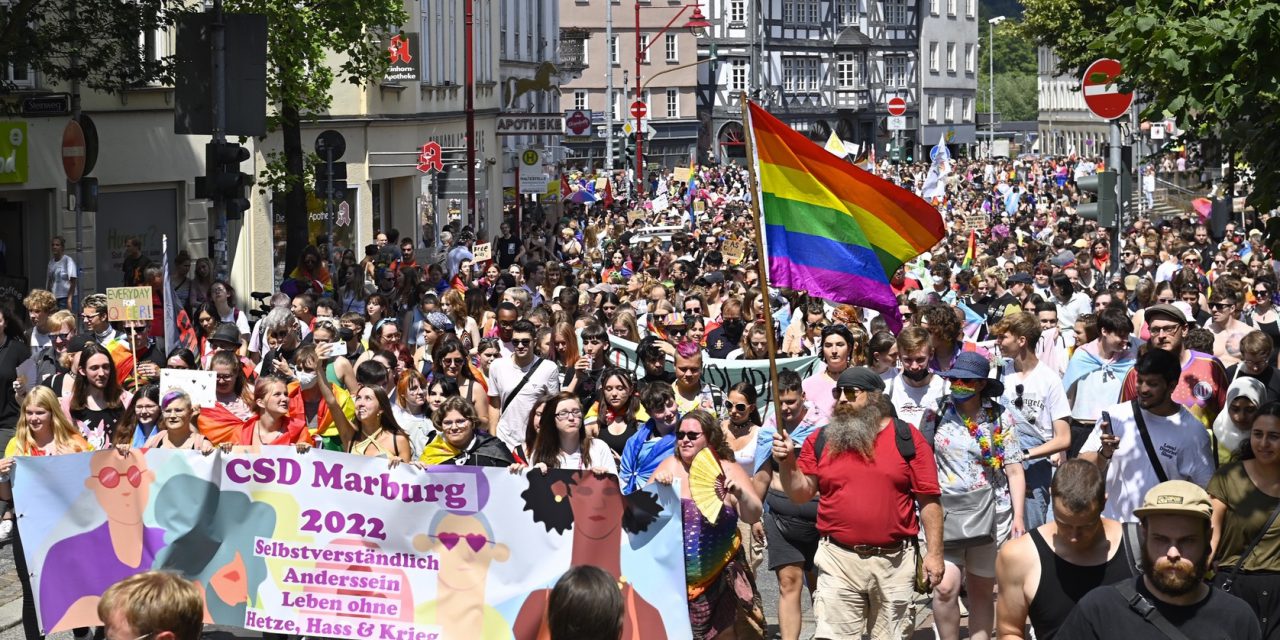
757	228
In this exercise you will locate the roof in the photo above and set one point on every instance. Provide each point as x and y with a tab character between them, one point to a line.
853	37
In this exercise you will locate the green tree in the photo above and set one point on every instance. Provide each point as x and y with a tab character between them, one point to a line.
1070	27
1212	67
303	40
1015	72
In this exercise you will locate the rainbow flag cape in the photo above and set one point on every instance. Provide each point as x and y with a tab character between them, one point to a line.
830	228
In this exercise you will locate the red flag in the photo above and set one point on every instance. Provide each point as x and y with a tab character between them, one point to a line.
565	191
608	193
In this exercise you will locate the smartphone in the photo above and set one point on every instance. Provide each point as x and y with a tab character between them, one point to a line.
1104	423
337	348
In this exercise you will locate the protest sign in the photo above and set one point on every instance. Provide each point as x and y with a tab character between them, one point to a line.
680	174
699	206
129	303
334	545
975	221
721	373
482	252
636	214
733	251
201	386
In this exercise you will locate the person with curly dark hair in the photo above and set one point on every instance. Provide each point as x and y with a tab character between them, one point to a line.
597	512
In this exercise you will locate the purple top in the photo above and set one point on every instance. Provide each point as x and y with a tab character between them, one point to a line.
85	565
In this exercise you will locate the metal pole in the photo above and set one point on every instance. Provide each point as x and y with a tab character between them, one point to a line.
608	91
470	107
754	25
218	37
76	190
1116	161
991	77
639	133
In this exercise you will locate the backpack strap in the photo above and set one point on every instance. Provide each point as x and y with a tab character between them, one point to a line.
1147	611
902	438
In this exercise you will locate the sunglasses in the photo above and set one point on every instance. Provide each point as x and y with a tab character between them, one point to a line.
688	435
740	407
452	361
521	343
673	331
110	476
476	541
1220	305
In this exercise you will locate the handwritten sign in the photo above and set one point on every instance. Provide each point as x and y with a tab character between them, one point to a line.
975	221
129	303
200	385
636	214
681	174
733	251
483	252
699	206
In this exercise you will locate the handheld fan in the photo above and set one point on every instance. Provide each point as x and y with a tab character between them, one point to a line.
706	485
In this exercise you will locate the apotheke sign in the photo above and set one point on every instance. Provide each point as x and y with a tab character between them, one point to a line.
530	124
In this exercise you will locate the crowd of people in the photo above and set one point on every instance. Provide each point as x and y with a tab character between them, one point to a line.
1082	422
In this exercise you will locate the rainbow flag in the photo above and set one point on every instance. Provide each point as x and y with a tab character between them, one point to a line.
971	252
832	229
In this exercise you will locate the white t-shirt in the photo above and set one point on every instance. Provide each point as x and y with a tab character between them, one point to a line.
239	319
1181	442
59	275
504	376
1043	401
601	458
911	402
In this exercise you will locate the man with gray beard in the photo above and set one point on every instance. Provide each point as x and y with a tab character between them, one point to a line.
867	486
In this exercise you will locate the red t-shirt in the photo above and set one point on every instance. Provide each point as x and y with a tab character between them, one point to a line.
871	501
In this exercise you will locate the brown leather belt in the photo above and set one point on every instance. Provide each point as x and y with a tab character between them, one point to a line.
871	549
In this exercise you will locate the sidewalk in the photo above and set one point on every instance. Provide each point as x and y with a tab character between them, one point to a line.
10	590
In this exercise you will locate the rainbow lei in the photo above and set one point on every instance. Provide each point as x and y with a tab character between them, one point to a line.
991	443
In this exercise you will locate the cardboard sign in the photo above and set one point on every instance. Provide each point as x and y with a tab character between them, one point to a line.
483	252
200	385
975	221
681	174
601	185
733	251
699	206
636	214
129	303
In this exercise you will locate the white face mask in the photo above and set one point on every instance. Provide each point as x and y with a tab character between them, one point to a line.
306	379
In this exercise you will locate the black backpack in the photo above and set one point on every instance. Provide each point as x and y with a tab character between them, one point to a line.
902	431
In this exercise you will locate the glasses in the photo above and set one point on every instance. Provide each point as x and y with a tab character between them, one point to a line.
674	331
740	407
688	435
456	425
476	541
1262	293
1164	329
1218	306
821	324
59	337
89	316
110	476
694	309
521	343
849	394
569	413
452	362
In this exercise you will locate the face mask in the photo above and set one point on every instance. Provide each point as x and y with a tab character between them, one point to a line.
346	334
733	328
306	379
916	376
962	390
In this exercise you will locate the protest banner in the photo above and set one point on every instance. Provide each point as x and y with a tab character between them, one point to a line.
721	373
129	303
482	252
341	546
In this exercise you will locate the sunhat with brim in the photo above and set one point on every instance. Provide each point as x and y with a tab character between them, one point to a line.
971	365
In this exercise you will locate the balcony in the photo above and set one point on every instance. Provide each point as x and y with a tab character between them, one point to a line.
573	46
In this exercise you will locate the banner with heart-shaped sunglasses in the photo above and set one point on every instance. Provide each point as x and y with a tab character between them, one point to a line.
330	544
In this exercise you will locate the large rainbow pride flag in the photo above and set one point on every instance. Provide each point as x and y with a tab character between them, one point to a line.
831	228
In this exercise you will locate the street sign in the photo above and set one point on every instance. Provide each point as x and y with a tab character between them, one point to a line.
530	124
897	123
531	158
639	109
629	127
577	123
73	151
330	141
1102	94
897	106
532	182
53	104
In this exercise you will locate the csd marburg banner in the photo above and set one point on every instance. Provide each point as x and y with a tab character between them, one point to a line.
721	373
334	545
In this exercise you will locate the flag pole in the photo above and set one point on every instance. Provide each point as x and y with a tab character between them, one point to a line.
763	272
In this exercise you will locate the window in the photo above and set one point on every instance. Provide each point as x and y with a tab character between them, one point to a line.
967	109
895	71
673	54
970	8
934	63
951	109
847	12
896	12
580	100
934	7
951	57
644	48
673	103
933	109
613	50
737	11
849	71
800	75
738	75
951	8
19	76
802	11
969	61
813	15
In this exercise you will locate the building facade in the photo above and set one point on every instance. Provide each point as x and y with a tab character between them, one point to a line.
667	73
1065	123
819	65
145	168
949	74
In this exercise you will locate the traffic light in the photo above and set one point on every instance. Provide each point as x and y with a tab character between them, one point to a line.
223	181
1102	186
337	172
619	151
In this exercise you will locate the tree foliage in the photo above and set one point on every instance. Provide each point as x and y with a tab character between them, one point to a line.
1070	27
1213	67
1015	72
106	35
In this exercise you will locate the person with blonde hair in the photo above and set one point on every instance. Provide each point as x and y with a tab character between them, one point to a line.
157	605
40	304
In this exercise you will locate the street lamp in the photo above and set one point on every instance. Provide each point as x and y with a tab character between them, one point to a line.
991	58
697	25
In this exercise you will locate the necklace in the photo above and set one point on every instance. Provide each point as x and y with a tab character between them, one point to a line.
990	442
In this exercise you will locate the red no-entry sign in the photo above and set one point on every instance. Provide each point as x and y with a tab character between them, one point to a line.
897	106
74	152
1102	94
639	109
